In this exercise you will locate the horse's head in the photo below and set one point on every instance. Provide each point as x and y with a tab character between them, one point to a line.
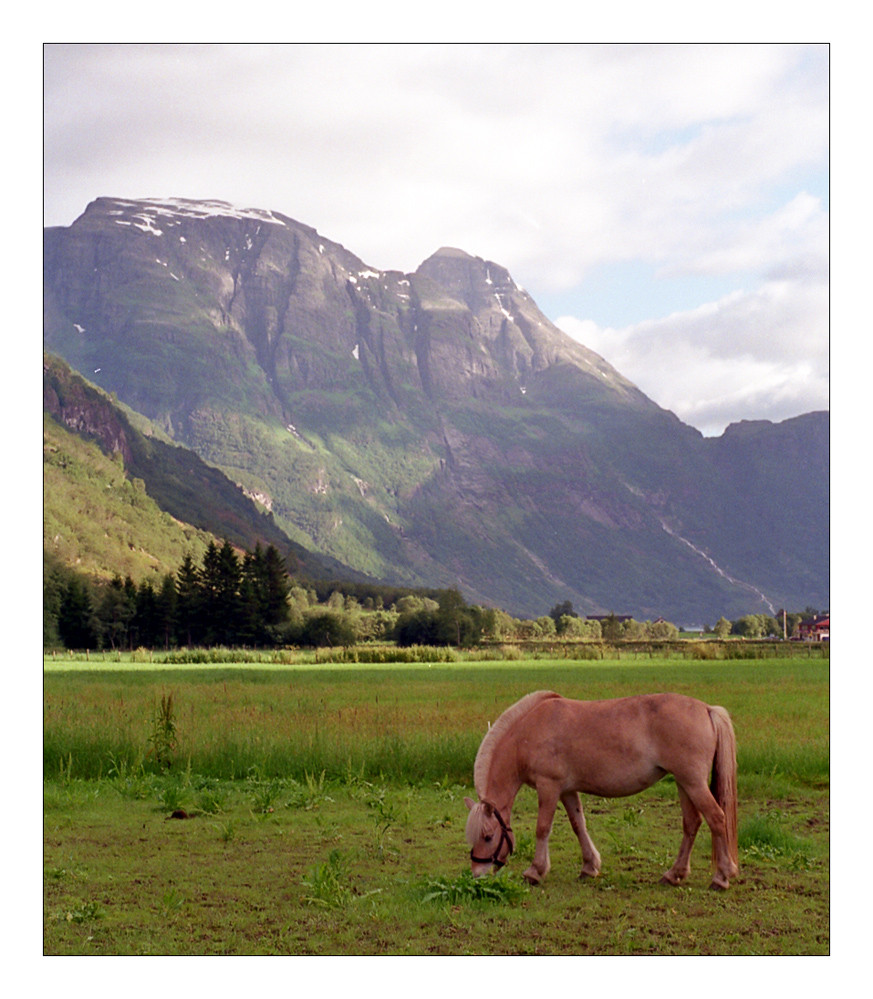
489	836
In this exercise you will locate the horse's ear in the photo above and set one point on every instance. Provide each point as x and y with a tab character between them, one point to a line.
469	802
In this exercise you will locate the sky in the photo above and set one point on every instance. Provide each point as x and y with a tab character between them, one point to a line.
666	205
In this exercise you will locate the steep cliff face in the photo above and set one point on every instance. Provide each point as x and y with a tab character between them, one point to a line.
69	401
429	428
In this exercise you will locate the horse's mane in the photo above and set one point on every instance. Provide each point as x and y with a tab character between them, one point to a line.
494	734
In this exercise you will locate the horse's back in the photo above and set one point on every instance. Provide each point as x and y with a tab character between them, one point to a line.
653	712
619	746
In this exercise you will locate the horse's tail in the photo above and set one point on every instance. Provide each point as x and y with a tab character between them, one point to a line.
724	778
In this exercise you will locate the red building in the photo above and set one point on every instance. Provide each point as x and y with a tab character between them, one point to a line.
815	629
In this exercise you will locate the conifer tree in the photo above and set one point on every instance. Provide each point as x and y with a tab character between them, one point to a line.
77	625
276	588
188	601
115	614
166	618
146	620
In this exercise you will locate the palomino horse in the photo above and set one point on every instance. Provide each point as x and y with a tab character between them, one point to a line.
609	748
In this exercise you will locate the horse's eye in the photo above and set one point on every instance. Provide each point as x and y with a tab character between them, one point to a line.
488	839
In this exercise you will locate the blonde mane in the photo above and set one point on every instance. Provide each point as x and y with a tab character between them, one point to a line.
494	734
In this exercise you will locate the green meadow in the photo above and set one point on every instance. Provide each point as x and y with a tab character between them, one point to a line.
317	808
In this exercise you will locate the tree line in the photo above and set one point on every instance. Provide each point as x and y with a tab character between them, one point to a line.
247	601
224	600
763	625
250	600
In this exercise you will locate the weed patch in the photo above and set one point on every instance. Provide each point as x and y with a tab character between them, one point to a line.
328	884
497	889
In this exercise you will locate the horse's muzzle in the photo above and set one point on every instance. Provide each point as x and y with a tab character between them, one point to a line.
494	860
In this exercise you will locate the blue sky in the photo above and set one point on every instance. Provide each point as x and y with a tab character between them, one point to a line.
665	204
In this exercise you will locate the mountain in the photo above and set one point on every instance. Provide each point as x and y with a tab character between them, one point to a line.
117	500
432	428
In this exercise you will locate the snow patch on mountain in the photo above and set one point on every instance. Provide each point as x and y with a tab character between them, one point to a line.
148	210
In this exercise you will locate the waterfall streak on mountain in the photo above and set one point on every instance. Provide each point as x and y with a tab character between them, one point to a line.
718	568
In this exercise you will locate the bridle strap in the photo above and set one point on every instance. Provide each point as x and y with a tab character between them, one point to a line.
505	837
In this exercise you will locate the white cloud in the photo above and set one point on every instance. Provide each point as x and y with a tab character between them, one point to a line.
758	355
386	144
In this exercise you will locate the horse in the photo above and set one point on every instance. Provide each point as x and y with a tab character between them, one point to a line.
611	748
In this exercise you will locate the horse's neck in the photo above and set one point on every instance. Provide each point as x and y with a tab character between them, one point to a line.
501	787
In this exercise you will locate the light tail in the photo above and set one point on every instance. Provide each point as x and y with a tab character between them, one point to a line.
724	779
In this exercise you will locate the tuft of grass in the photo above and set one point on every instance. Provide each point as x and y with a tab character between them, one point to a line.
130	780
86	912
329	886
171	902
311	794
211	795
173	794
263	792
327	883
163	739
226	831
496	889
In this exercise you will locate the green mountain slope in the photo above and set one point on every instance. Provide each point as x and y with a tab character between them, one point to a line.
103	522
119	501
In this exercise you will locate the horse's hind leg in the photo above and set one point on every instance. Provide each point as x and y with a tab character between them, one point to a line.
590	856
704	803
691	820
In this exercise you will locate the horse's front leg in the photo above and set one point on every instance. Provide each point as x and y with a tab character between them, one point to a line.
548	801
590	856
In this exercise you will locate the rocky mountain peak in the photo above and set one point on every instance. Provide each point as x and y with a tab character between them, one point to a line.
472	280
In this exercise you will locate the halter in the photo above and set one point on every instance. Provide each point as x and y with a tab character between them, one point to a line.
505	837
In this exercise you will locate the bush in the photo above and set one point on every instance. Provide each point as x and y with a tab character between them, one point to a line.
327	629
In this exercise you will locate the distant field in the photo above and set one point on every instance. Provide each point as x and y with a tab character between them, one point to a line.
326	802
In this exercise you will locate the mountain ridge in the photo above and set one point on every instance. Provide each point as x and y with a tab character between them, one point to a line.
431	428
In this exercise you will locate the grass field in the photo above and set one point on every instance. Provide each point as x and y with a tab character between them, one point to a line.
325	814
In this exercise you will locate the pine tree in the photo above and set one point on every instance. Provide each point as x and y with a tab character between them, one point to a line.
276	587
116	614
147	621
251	600
188	602
229	605
77	624
167	603
221	608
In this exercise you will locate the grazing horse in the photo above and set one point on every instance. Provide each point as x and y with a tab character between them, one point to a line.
612	749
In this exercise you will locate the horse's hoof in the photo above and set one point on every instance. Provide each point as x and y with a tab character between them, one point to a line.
672	882
531	877
715	886
585	875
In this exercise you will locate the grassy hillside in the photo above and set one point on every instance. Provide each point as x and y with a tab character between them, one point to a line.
185	488
101	521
